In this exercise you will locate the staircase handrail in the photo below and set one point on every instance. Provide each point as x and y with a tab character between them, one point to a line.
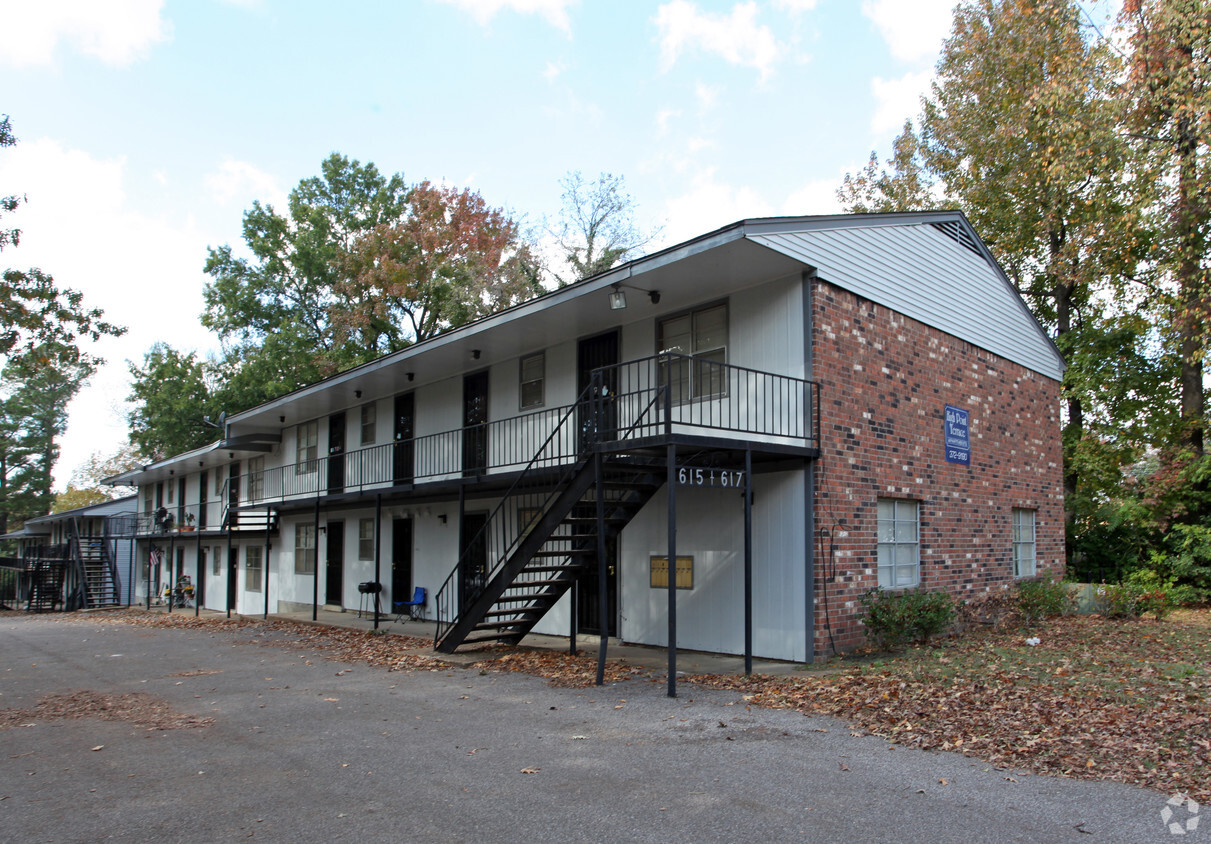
443	598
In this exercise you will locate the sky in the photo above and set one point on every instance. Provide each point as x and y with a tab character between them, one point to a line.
146	128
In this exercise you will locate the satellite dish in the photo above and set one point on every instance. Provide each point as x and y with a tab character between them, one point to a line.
223	419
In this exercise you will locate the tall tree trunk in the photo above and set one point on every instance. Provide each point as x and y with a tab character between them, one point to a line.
1190	281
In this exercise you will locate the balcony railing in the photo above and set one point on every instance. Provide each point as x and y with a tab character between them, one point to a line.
630	402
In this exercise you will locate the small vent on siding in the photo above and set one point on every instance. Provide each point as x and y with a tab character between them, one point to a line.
959	235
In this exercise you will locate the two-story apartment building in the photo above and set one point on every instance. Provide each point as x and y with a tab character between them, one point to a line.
793	410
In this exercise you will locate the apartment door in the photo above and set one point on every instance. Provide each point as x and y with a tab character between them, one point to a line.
203	486
473	562
475	419
334	552
233	493
597	418
405	431
401	560
336	453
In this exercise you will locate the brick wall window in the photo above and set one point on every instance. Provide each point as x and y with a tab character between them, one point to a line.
899	544
1023	542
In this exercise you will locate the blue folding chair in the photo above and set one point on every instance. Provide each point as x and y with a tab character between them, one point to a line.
410	608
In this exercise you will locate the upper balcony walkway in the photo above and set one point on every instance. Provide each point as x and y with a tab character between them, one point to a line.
640	404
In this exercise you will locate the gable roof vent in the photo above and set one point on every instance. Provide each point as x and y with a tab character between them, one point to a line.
956	232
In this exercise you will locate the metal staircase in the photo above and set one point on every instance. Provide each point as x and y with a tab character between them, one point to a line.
95	571
543	535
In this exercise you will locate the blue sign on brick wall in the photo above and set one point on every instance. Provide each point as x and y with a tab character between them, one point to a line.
958	438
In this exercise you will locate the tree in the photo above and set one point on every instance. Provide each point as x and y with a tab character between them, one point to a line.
1021	129
449	259
908	186
35	390
33	311
288	291
90	475
170	397
597	227
1169	99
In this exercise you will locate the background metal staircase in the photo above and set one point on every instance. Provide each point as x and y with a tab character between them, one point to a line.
96	571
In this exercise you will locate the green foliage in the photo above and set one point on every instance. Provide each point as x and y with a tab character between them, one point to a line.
908	186
1119	600
170	397
1183	563
1044	598
895	618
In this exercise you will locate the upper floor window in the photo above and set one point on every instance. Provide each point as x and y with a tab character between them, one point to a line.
899	543
218	480
256	478
701	334
369	424
1023	543
533	375
307	447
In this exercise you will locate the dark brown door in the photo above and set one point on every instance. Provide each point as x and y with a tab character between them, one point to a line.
401	560
180	502
475	423
334	551
336	452
203	486
233	493
588	591
474	559
405	432
597	414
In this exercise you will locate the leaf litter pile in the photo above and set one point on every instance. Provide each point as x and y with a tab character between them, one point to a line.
559	667
1096	699
142	710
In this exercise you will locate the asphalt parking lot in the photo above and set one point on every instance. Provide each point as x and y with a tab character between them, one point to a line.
294	747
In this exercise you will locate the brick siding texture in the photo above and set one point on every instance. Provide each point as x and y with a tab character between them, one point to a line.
885	380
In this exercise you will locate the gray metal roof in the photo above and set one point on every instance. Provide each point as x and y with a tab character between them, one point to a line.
930	267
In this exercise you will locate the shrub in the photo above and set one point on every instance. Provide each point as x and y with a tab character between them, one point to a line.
1044	598
895	618
1119	601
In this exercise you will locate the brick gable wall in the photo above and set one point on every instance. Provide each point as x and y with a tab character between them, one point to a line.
885	381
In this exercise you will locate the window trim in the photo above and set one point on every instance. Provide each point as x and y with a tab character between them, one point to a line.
895	544
365	554
301	557
371	409
689	394
259	568
306	457
541	381
1020	544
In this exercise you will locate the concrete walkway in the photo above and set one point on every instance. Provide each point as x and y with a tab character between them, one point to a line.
643	656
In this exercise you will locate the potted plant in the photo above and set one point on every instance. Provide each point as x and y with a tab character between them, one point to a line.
188	526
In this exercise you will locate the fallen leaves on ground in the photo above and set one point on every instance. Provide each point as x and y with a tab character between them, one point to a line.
340	644
1096	699
138	708
560	668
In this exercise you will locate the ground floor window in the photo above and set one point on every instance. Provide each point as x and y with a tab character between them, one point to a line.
216	561
1023	543
252	568
898	544
304	548
365	539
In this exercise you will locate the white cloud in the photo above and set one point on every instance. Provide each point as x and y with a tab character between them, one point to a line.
554	11
816	197
663	118
706	95
708	205
914	31
553	70
115	31
239	183
734	37
795	7
897	100
144	271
